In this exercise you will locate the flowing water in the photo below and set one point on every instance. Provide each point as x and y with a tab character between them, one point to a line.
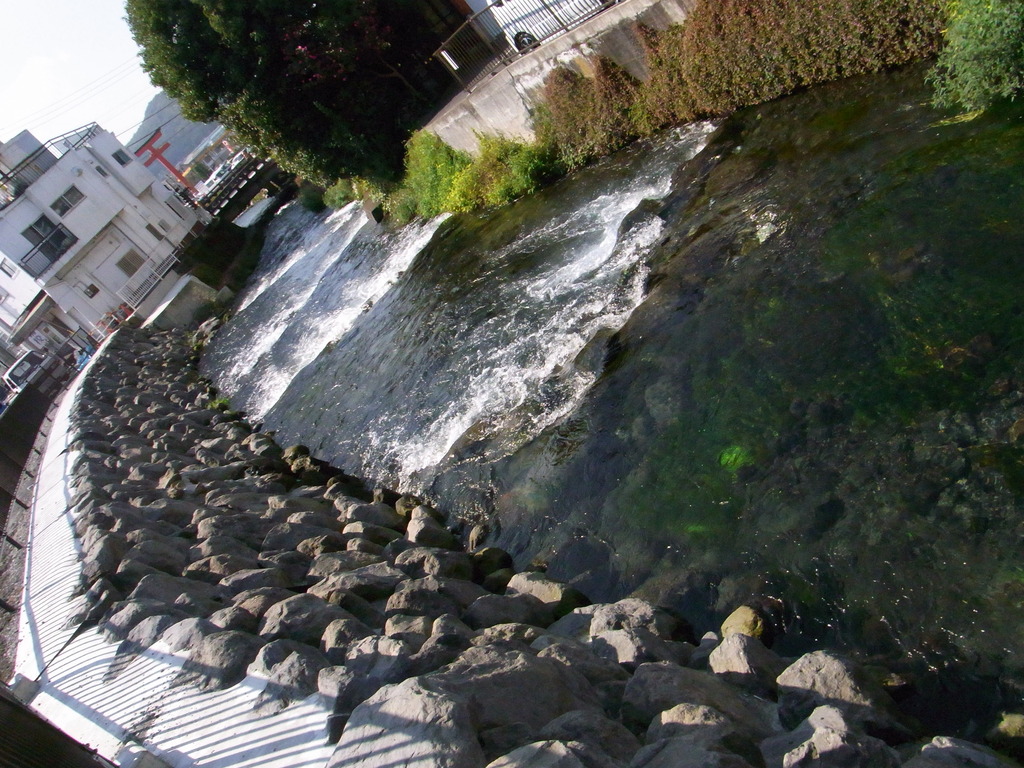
782	355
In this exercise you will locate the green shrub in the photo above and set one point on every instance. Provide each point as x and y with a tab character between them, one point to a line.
588	117
340	194
734	53
503	171
983	57
431	167
311	197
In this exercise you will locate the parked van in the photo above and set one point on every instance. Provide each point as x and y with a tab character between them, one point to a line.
25	370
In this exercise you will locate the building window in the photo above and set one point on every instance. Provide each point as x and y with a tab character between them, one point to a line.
130	263
154	232
165	226
122	157
3	295
102	171
71	197
7	267
89	290
50	239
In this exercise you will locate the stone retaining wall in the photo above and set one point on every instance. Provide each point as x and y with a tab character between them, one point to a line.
208	538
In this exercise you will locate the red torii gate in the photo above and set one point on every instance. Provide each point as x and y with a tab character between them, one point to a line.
156	154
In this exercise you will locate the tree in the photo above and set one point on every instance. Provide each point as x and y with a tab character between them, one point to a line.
983	58
328	88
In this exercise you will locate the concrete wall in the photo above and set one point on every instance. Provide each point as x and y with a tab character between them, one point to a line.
503	103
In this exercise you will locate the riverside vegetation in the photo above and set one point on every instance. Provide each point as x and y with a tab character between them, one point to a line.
728	55
267	569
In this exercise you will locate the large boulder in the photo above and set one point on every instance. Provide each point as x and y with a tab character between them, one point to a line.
827	740
544	689
410	724
744	660
826	678
560	598
302	617
490	610
595	730
659	686
219	660
633	613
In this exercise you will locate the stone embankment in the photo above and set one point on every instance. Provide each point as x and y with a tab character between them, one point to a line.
248	558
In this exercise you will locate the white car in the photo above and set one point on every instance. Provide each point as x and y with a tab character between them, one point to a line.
527	22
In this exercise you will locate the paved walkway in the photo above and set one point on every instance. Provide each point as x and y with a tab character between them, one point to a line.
113	713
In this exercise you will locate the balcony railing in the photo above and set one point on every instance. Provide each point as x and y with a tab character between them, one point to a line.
14	183
47	251
135	291
506	30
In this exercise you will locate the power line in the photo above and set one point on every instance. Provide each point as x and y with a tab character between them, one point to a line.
66	103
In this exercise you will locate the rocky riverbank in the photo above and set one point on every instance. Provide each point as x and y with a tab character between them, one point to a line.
204	536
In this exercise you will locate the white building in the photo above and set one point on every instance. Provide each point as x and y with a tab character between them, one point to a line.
88	236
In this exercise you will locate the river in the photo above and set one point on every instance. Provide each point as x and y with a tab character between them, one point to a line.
778	355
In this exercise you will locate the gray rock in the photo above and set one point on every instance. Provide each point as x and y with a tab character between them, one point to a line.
419	562
544	689
413	630
633	613
743	660
370	582
427	532
632	647
409	724
214	568
659	686
554	754
219	660
234	617
293	679
374	514
257	601
595	730
826	740
505	738
375	533
126	615
383	659
824	678
187	633
419	598
319	545
681	753
256	578
489	610
288	536
575	624
222	545
560	598
330	563
946	752
340	635
302	617
582	659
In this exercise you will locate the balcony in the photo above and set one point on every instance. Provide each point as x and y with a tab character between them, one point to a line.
47	251
14	183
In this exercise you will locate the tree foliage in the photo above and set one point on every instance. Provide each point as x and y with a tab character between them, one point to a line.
327	87
983	59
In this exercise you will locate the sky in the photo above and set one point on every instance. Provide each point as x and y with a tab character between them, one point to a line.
68	63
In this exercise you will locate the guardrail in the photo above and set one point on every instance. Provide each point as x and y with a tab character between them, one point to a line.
506	30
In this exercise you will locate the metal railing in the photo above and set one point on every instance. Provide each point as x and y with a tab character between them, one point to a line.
135	291
48	251
14	183
507	29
